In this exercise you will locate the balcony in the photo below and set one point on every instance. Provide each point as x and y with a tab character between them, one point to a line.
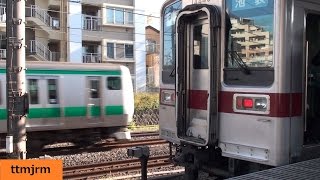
41	19
91	23
42	52
91	26
91	58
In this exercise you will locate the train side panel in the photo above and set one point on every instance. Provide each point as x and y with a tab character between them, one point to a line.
3	110
72	108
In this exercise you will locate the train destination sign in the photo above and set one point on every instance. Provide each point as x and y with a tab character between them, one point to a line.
238	5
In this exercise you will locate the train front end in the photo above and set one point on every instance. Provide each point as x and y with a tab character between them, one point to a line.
224	98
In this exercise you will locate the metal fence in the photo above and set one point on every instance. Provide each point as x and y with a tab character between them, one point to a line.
41	14
43	51
146	117
91	58
91	23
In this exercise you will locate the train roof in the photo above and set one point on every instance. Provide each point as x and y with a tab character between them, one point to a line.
38	67
67	65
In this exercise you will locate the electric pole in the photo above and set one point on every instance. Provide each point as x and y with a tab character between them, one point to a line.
17	98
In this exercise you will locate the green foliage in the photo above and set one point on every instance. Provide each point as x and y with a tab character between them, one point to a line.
145	101
132	125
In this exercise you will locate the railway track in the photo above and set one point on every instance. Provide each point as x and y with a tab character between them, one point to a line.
73	149
144	134
99	147
101	169
105	146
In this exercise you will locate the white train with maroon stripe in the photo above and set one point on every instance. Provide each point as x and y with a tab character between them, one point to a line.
240	83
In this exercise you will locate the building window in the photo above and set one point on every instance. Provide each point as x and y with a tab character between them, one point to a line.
114	83
151	46
119	51
129	50
110	16
119	16
129	17
52	91
33	89
110	50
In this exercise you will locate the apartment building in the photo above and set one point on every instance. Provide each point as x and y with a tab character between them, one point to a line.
152	58
85	31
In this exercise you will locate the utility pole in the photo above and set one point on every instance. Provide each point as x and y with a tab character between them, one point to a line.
17	98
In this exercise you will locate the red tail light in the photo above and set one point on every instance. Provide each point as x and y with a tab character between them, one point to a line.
251	103
247	103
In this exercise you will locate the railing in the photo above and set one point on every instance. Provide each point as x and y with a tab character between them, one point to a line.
151	48
91	23
91	58
3	36
43	15
43	51
3	53
3	15
55	56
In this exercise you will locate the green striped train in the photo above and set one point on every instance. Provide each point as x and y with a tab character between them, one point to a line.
77	102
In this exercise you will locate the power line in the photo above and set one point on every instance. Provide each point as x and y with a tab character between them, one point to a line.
107	31
34	28
95	44
121	9
114	47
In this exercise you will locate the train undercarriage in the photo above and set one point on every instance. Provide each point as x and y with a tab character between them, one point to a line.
209	160
82	137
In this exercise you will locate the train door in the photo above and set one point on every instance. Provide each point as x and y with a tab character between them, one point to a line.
94	98
197	73
312	78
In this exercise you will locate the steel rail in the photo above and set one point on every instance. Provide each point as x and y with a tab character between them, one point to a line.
94	170
144	134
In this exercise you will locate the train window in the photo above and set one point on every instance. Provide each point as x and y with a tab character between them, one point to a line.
250	42
94	84
52	91
200	46
168	53
251	34
114	83
33	91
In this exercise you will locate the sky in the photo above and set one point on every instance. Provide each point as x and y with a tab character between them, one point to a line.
153	7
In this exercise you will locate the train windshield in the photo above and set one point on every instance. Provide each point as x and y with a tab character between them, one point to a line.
251	34
168	52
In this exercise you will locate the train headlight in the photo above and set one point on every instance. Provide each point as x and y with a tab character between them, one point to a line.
167	97
261	104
